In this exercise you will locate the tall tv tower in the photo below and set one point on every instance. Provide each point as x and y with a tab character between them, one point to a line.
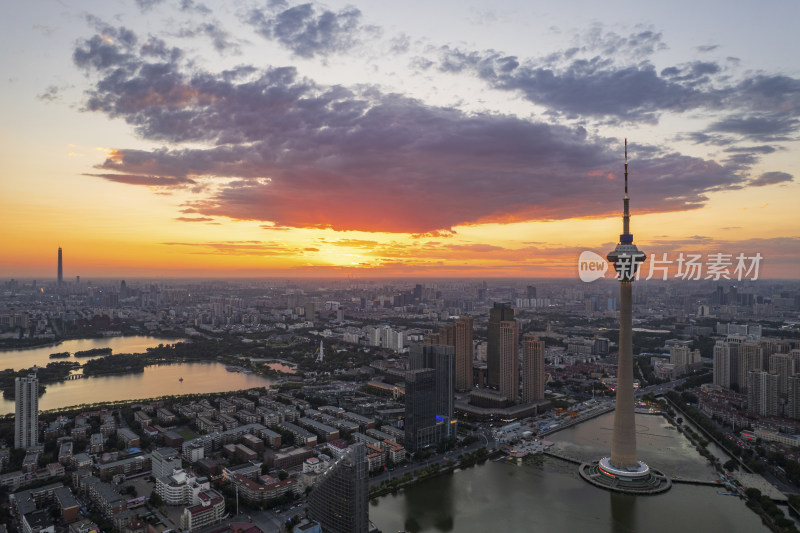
626	259
60	268
622	471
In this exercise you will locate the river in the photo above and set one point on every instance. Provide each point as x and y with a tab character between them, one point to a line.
548	494
198	378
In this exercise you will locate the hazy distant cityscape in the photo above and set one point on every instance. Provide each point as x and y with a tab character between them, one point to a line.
361	379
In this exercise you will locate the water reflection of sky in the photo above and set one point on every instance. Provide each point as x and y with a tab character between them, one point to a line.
155	381
658	443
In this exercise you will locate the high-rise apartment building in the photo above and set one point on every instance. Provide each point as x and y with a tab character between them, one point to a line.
60	268
464	353
501	312
722	364
793	401
509	360
762	393
683	359
750	358
340	500
781	364
26	418
533	375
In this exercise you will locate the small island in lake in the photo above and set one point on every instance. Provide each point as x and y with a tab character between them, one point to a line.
59	355
93	352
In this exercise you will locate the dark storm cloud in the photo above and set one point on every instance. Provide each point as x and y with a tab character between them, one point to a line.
591	87
591	80
308	30
771	178
283	149
769	127
763	149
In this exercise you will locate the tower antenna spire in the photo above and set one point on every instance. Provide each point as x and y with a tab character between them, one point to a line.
626	216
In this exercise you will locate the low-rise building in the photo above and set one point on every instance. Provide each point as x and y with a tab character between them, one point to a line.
130	438
126	467
180	487
209	510
267	489
164	461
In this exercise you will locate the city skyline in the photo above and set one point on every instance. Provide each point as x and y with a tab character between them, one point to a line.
392	141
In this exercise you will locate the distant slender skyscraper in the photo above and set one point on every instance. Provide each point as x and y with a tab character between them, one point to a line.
500	312
60	268
509	360
532	368
26	419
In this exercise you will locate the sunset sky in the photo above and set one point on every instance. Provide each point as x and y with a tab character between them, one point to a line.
177	138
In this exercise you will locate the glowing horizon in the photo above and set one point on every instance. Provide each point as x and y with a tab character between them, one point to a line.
197	141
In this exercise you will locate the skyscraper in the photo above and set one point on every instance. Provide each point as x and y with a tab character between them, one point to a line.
781	364
60	267
622	471
762	393
722	364
340	501
420	420
532	368
26	418
501	311
459	336
464	353
509	360
793	403
751	357
440	359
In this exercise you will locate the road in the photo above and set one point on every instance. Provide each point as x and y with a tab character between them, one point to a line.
485	439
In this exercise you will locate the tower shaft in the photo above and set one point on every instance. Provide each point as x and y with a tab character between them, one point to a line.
623	442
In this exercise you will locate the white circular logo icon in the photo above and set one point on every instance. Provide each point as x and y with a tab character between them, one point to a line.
591	266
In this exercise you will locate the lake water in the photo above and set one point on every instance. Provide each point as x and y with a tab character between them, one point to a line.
18	359
162	380
155	381
548	495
